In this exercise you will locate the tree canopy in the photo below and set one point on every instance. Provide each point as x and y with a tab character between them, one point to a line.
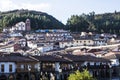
85	75
107	22
39	20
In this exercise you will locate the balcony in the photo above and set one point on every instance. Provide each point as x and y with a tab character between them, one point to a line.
48	70
26	70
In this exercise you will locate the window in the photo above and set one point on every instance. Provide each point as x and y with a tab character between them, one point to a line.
29	67
10	68
94	64
88	64
2	68
22	67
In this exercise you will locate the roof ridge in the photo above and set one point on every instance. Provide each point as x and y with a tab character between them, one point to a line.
33	58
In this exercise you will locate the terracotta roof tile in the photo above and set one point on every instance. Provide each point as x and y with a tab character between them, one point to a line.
15	58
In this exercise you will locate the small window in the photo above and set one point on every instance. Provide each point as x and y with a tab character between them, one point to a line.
94	64
22	66
77	41
2	68
29	67
10	68
89	41
88	64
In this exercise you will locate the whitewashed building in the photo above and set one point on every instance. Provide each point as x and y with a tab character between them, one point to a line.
77	42
7	67
19	26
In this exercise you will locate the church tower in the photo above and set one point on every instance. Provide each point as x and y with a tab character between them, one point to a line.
27	24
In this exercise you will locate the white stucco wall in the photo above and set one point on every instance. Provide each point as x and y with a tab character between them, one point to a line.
45	48
20	26
57	67
31	45
76	43
6	67
114	62
37	66
7	49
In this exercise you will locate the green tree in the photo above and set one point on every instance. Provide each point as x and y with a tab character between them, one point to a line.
39	20
85	75
107	22
77	23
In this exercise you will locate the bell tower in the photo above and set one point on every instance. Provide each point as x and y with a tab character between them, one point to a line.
27	24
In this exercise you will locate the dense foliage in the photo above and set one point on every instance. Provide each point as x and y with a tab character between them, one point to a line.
39	20
85	75
108	22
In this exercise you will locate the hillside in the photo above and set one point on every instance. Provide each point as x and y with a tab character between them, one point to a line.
101	23
39	20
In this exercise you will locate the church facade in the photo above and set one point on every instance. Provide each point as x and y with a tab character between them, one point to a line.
22	26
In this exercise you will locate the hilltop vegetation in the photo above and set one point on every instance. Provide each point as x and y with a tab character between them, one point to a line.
100	23
107	23
39	20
